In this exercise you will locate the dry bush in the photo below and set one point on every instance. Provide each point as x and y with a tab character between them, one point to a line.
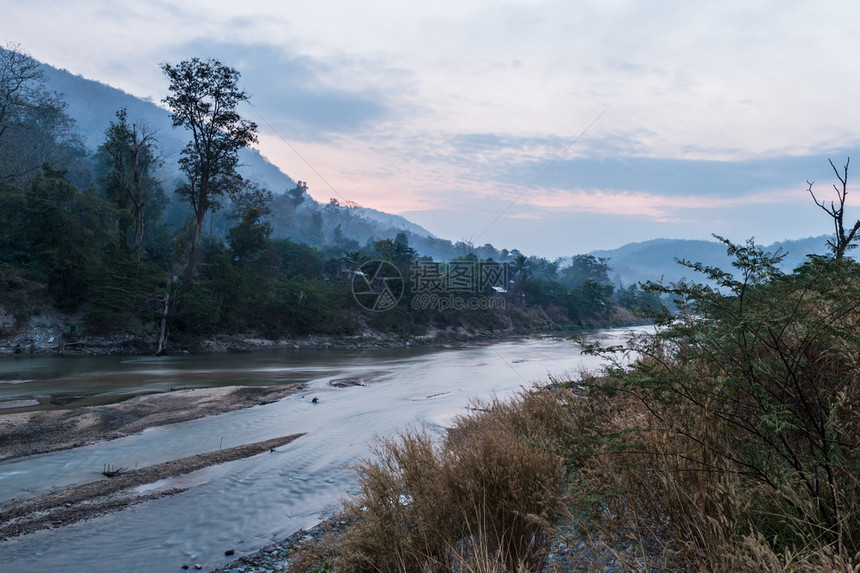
481	501
733	443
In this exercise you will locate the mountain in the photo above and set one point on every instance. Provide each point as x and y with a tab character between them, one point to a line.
395	222
651	260
93	105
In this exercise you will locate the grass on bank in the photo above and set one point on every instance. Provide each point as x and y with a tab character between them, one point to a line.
731	445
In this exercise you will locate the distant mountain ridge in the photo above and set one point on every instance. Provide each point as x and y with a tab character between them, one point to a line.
93	105
655	259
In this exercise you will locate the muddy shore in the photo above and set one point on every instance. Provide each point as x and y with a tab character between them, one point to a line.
29	433
44	341
37	432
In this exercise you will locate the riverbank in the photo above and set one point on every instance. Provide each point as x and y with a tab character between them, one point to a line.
51	332
571	551
419	495
40	431
45	342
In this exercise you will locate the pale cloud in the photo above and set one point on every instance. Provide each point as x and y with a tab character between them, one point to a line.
660	208
425	107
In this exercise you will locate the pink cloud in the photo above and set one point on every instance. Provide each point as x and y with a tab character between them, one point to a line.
661	208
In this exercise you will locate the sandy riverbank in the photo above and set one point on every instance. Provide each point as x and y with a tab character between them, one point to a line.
29	433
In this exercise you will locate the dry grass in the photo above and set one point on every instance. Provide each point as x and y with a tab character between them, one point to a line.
620	476
481	501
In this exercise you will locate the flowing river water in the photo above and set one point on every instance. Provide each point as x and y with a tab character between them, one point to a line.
246	504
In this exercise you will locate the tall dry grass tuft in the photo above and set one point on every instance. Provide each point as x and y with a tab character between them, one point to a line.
483	500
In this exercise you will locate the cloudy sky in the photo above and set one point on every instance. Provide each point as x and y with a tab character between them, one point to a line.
555	127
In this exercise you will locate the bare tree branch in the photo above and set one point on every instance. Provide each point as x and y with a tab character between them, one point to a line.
841	241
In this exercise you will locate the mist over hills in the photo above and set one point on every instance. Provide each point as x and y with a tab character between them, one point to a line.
655	259
93	105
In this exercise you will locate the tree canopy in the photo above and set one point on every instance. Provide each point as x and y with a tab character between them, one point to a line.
204	96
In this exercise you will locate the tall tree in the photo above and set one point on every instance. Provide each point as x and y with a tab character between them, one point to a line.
250	236
298	193
253	196
203	98
129	150
586	268
33	121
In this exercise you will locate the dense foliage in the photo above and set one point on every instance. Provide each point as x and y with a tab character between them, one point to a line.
734	438
221	253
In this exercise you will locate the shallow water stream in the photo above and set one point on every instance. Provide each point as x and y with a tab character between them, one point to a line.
246	504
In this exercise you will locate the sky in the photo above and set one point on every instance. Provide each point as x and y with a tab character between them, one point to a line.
554	127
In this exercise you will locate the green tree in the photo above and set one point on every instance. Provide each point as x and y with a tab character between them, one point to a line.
520	267
756	378
352	260
643	302
124	295
591	299
298	259
403	253
252	196
298	193
130	153
586	268
34	126
67	230
312	231
385	248
13	226
250	236
203	98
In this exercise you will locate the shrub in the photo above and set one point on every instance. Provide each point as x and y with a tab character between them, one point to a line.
736	438
198	312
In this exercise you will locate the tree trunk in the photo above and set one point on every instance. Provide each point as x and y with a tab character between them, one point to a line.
139	222
162	338
192	257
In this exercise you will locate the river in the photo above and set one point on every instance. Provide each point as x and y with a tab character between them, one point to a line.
246	504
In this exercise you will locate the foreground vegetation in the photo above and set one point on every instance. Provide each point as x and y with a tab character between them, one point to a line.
731	444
